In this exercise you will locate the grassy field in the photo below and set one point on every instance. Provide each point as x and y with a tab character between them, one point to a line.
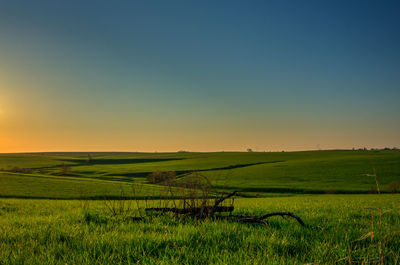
82	232
52	209
28	175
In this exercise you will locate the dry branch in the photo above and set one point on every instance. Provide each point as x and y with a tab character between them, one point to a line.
260	219
283	214
192	211
253	220
217	202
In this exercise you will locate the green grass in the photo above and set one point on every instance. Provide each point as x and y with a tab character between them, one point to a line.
48	187
82	232
255	173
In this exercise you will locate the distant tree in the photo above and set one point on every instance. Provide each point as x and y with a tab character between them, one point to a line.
65	170
21	170
89	159
249	150
161	176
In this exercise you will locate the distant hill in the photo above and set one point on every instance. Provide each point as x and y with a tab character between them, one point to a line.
95	175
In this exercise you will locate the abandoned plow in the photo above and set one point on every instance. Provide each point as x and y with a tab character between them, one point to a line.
191	197
214	212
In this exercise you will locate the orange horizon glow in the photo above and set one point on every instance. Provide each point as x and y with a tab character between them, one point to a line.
26	128
28	125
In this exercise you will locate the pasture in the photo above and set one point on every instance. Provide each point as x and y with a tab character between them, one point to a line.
83	232
55	209
93	175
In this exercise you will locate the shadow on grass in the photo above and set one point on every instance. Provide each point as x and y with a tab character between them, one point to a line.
101	161
97	197
289	190
120	161
181	173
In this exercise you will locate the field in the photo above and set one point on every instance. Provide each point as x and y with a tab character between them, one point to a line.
78	232
53	211
348	172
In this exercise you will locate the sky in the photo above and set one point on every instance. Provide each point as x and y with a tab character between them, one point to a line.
164	76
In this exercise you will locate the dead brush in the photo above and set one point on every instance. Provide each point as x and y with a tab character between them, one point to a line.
188	197
192	196
121	207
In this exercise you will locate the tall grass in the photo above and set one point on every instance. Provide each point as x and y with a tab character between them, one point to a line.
380	238
74	232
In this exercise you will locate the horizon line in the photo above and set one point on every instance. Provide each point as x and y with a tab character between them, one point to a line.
221	151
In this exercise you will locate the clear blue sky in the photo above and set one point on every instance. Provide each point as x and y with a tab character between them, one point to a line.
200	76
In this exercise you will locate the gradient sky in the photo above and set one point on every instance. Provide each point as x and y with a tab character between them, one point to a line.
198	75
